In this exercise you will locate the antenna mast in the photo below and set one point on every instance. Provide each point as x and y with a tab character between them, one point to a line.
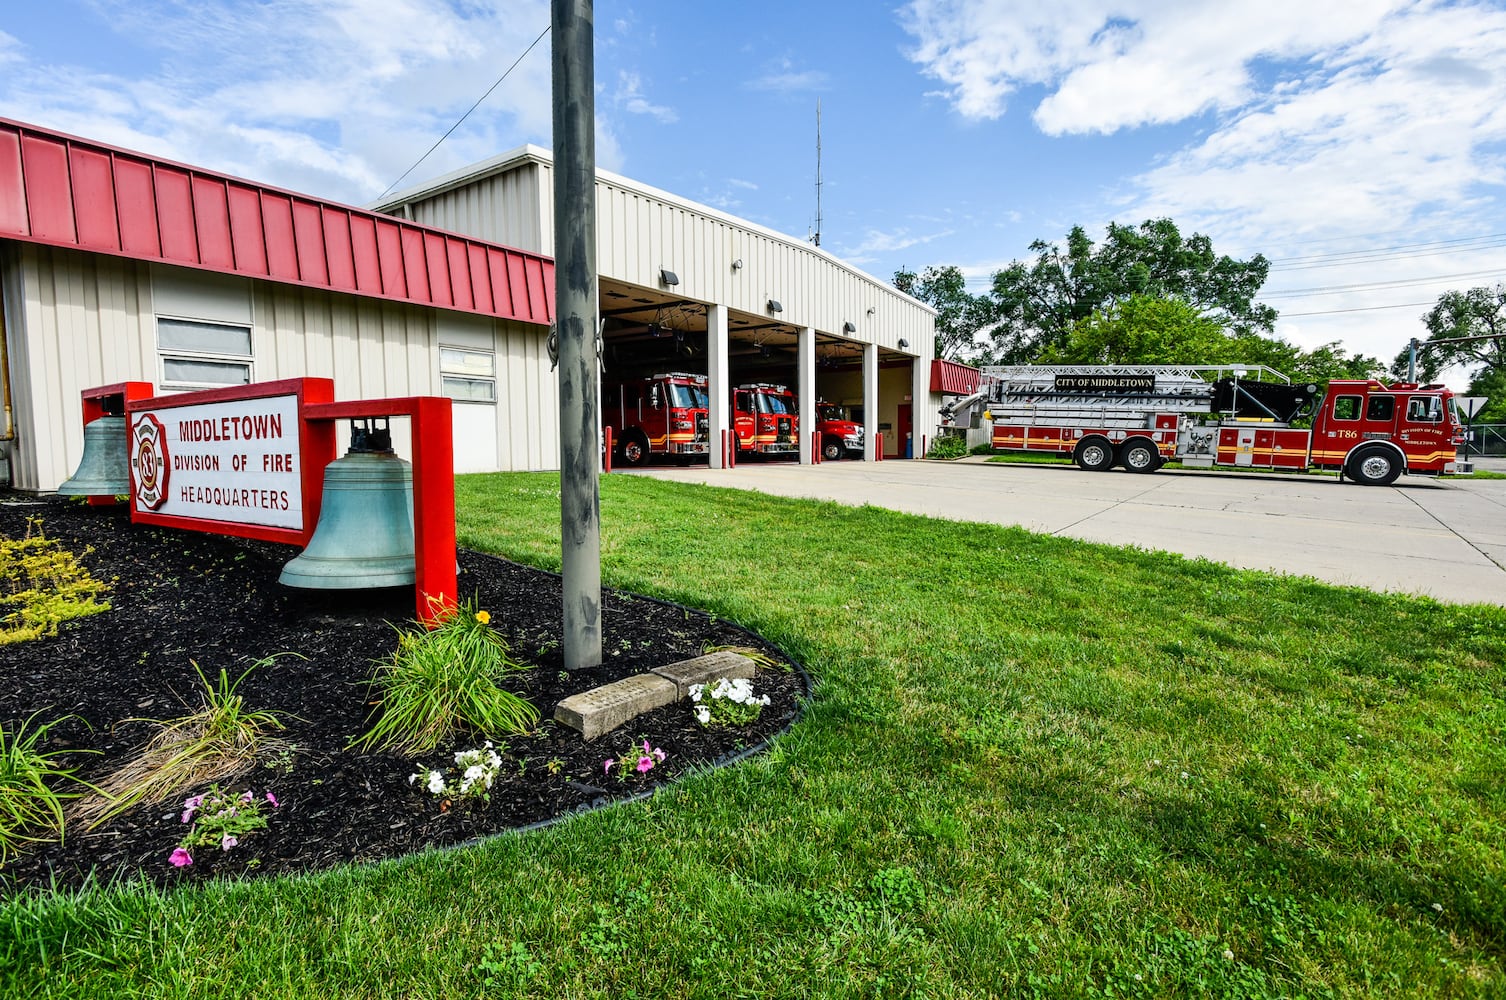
816	236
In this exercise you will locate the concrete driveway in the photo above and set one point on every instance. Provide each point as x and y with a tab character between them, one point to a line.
1445	539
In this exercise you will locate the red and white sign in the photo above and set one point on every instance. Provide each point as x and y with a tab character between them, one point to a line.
238	461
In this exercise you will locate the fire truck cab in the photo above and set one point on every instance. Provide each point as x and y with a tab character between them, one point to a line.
764	419
839	433
665	414
1372	433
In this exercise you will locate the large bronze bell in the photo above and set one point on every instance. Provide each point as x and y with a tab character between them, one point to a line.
104	471
364	537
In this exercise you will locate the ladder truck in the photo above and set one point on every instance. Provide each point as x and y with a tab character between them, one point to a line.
1138	417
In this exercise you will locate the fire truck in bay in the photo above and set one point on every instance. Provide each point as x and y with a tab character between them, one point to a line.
840	434
764	419
666	414
1139	417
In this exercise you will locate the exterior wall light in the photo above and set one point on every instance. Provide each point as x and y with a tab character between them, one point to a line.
848	326
775	306
737	265
668	277
903	343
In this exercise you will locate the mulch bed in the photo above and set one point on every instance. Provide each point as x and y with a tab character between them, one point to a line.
179	598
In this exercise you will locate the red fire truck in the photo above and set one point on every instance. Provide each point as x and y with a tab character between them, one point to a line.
764	419
1140	416
664	414
840	434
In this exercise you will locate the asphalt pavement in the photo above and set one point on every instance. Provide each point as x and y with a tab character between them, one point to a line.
1441	538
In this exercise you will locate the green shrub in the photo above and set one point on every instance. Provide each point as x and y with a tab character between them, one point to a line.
985	448
948	446
44	584
444	679
31	806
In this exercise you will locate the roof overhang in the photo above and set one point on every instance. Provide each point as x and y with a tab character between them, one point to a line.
60	190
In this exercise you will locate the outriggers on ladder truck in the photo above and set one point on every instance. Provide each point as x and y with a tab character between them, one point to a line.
1138	417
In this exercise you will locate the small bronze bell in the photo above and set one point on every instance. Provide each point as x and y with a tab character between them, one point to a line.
104	471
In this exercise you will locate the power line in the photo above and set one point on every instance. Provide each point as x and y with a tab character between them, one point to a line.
463	117
1356	309
1433	246
1374	286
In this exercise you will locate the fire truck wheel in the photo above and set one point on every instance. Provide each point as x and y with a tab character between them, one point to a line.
1093	455
634	451
1139	456
831	449
1373	467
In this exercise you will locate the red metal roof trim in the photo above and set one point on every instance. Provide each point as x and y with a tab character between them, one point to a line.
953	379
65	191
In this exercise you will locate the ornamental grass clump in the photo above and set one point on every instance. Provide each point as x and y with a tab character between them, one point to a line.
31	803
220	741
44	585
443	680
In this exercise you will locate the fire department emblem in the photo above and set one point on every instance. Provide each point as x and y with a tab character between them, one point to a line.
149	461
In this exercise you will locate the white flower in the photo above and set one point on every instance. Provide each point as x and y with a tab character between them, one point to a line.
703	715
1228	955
436	782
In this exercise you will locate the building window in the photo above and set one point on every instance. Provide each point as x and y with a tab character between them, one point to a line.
198	355
468	376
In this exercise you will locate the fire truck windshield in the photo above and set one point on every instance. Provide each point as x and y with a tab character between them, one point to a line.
772	404
832	412
687	397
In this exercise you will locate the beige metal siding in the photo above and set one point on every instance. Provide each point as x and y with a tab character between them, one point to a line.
73	321
507	205
76	320
641	229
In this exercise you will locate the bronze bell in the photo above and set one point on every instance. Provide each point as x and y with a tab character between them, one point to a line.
364	537
104	471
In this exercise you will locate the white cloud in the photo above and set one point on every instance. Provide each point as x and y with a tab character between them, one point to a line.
875	242
630	98
1120	63
785	78
333	97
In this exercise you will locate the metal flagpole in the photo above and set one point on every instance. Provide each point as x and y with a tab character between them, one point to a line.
576	317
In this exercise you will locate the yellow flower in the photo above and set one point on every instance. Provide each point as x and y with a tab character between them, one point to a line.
483	617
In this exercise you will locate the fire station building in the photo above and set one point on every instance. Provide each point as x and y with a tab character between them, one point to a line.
117	266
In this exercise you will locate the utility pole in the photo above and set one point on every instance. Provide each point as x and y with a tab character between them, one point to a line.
574	76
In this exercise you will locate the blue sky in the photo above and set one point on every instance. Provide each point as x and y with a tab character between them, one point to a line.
1359	144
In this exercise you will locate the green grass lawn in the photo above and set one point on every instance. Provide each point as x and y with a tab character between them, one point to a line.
1032	767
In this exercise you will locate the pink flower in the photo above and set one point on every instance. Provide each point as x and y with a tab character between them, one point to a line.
272	800
193	802
645	764
606	767
181	858
187	815
246	795
228	842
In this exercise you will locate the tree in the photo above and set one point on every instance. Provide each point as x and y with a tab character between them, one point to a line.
1039	303
1143	330
1479	312
960	315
